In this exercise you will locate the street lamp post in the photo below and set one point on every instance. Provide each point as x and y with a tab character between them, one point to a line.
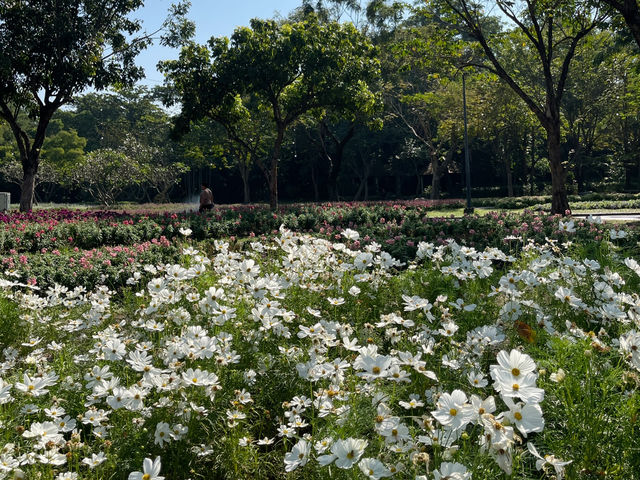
469	209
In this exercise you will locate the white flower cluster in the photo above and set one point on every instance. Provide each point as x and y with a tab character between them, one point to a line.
208	334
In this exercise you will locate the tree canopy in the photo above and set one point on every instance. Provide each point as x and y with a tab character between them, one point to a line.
52	50
330	109
291	68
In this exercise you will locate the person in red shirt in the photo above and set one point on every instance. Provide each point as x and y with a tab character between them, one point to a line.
206	198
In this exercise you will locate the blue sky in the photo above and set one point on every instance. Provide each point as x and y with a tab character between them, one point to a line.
212	18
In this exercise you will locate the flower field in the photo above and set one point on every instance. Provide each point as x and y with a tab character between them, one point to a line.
333	341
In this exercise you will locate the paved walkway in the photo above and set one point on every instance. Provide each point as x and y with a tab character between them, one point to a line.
627	217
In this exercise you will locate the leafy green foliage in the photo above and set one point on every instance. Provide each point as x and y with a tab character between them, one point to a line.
289	68
52	50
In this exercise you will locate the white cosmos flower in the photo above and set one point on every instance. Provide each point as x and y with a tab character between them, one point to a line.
32	386
567	227
524	386
346	453
43	432
558	376
451	471
150	471
374	366
527	417
298	456
477	379
67	476
632	264
453	410
95	460
480	407
414	402
350	234
541	461
617	234
354	291
52	457
5	392
363	260
162	434
66	424
514	363
373	468
335	301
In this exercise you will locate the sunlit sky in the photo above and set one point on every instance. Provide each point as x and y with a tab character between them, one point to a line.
212	18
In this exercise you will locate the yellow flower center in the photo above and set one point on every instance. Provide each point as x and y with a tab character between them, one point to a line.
376	370
146	476
516	386
453	412
515	372
351	454
518	416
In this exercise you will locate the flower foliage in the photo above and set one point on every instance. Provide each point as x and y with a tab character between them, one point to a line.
305	356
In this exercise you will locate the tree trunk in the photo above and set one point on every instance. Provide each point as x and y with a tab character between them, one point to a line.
356	197
30	169
332	189
532	172
579	170
273	171
246	190
507	165
314	182
435	181
335	162
366	189
559	199
364	182
509	182
244	164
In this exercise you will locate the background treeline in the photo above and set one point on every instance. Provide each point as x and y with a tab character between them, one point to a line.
122	145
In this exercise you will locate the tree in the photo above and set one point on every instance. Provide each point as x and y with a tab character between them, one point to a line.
61	149
630	11
332	143
246	134
552	31
106	173
155	167
423	94
291	68
50	51
432	117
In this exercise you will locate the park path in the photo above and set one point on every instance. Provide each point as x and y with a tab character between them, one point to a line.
627	217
